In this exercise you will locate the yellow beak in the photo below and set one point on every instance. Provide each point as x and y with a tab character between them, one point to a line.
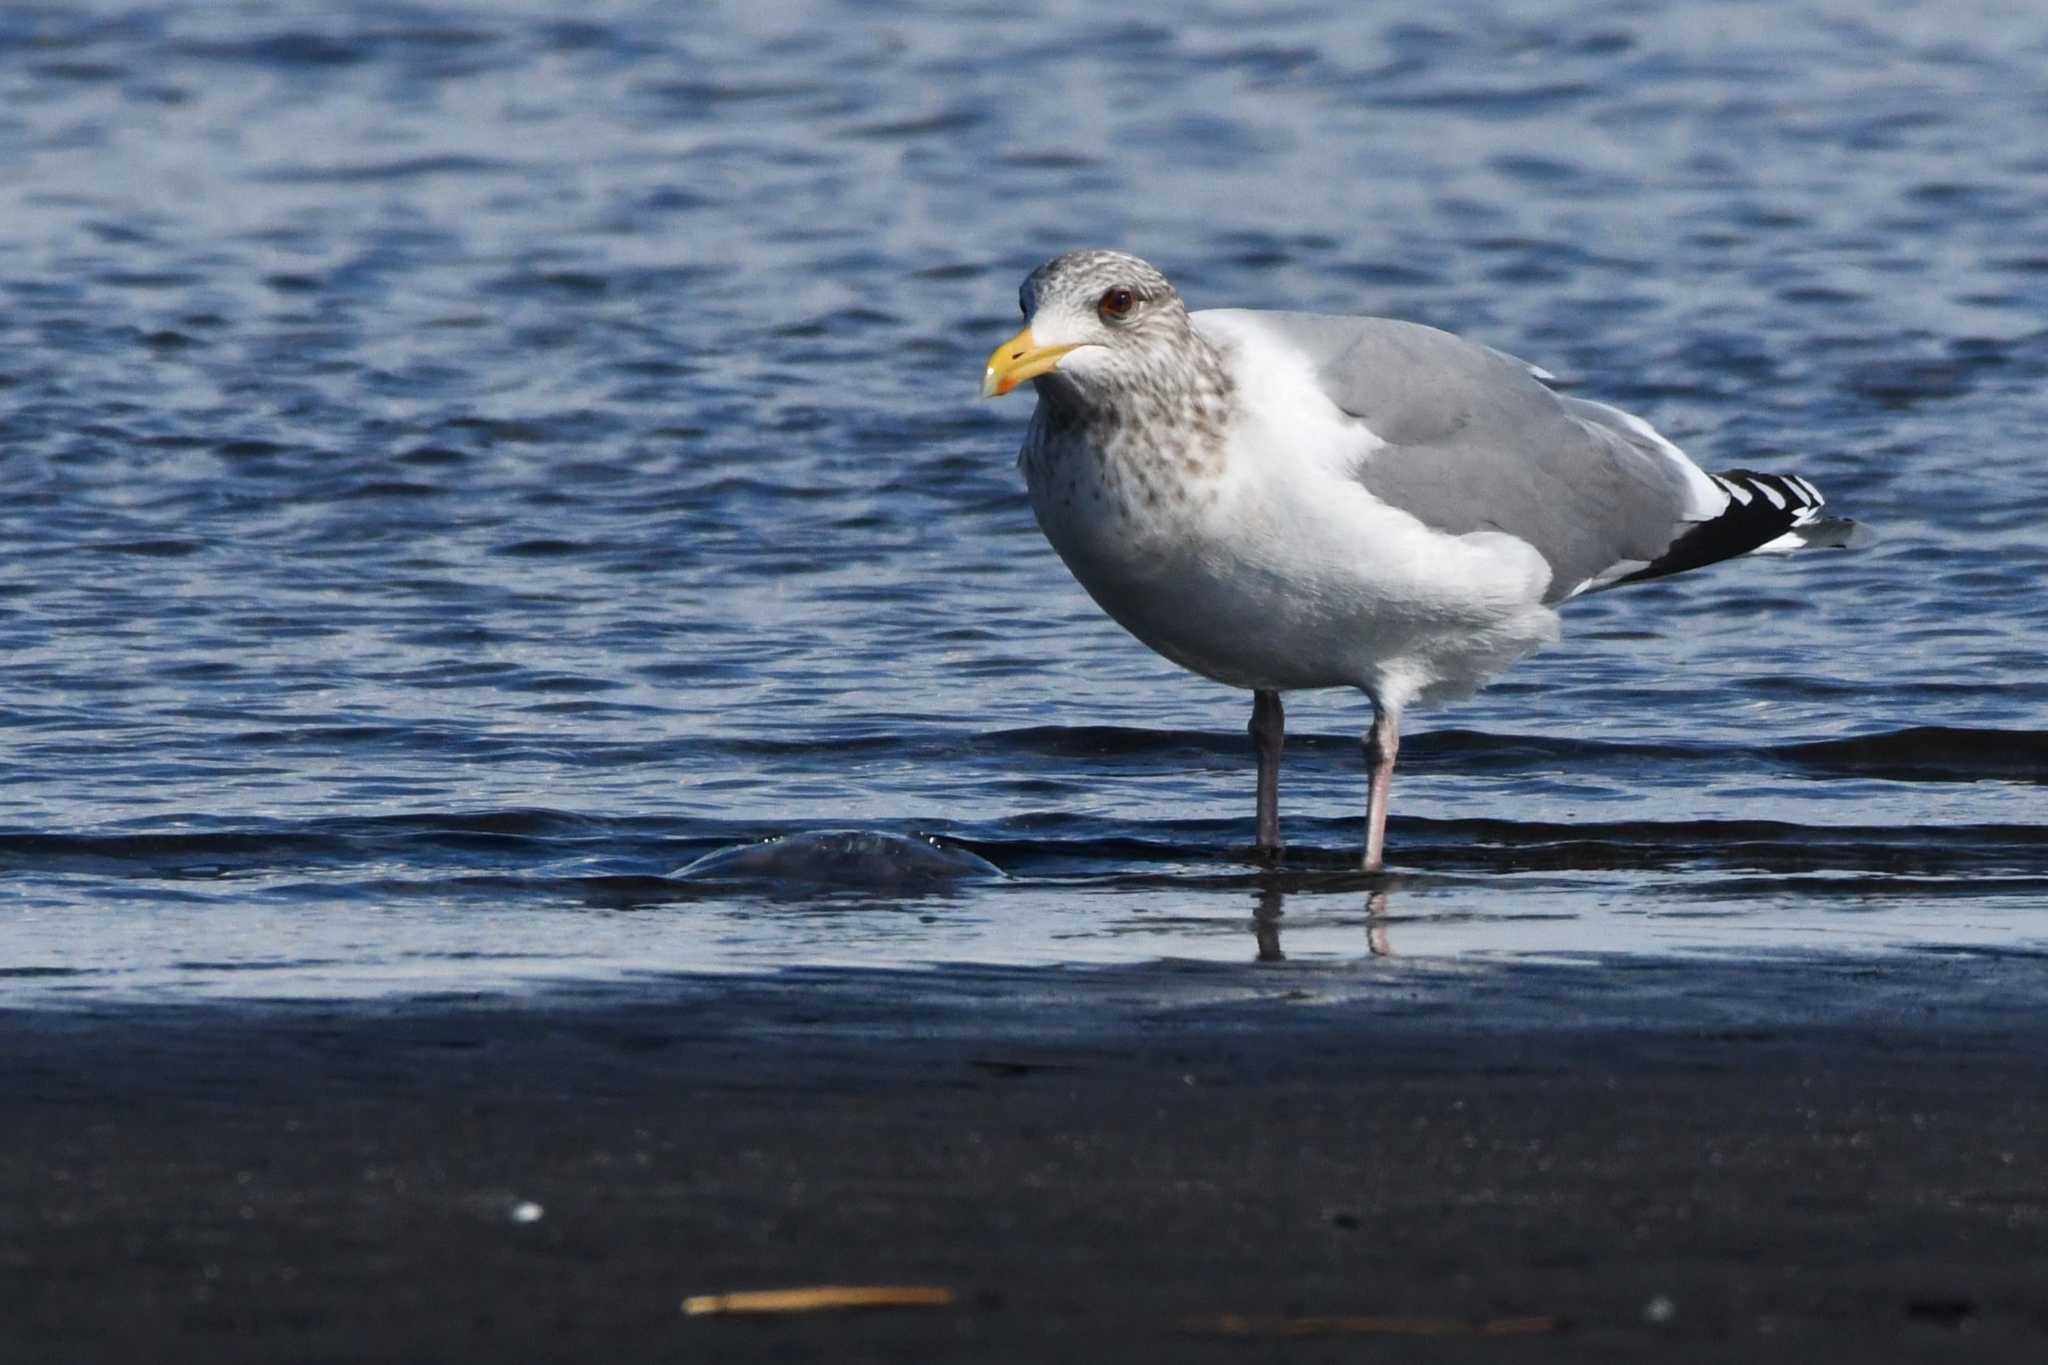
1016	360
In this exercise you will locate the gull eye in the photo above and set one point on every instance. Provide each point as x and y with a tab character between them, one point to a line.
1117	302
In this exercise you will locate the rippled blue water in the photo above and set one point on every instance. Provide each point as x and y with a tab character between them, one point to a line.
463	462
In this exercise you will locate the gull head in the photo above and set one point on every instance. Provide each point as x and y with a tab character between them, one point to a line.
1095	322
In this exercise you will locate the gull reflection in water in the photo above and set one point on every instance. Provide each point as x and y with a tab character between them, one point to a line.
1267	912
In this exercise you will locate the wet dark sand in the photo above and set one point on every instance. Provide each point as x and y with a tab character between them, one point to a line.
1794	1159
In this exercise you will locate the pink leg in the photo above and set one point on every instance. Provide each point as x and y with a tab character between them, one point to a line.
1381	745
1269	732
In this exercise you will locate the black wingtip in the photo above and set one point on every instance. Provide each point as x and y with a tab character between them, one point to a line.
1761	508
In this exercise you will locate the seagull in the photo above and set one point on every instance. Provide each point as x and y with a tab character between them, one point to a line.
1281	500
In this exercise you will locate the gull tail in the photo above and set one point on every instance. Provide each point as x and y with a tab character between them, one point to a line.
1766	514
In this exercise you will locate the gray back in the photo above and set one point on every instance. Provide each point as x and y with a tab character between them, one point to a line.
1476	443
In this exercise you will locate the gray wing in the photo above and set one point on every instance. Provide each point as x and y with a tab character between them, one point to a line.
1476	443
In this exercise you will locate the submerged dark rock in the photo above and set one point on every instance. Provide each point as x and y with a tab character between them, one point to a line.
852	860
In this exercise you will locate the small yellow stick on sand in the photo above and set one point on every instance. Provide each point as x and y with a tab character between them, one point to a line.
822	1298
